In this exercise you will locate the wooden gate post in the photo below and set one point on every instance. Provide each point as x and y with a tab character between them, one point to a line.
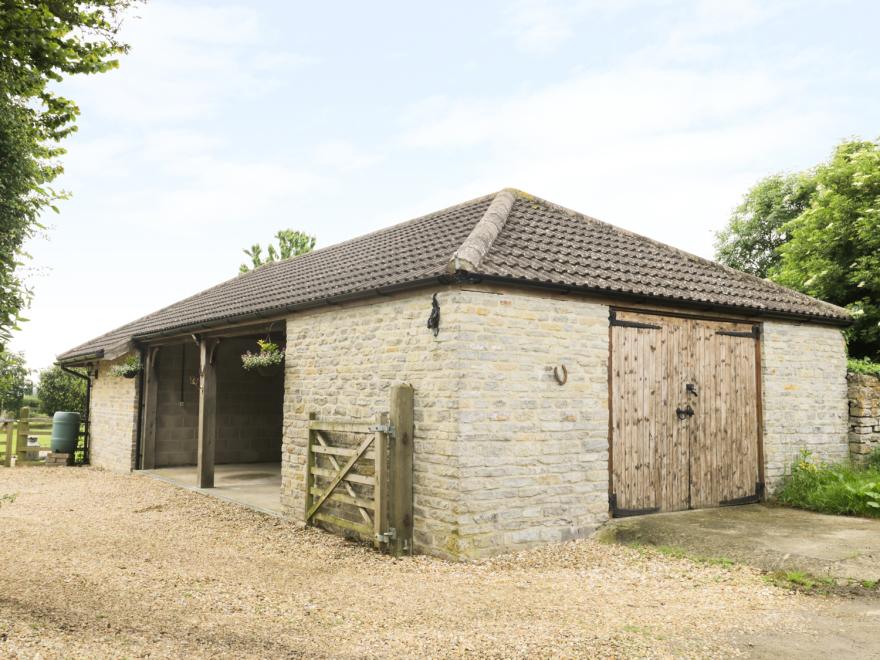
207	435
24	429
151	393
9	458
310	463
401	472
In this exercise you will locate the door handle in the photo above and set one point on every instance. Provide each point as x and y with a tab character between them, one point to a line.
687	411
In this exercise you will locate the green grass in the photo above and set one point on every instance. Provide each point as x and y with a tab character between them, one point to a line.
680	553
834	488
800	580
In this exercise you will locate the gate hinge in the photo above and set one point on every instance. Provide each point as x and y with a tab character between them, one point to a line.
388	429
387	537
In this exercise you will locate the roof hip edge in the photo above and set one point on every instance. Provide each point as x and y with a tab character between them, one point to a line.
470	254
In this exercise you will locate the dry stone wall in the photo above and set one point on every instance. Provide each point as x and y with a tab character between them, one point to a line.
805	395
864	415
113	415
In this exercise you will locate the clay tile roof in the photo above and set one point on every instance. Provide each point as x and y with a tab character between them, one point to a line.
510	236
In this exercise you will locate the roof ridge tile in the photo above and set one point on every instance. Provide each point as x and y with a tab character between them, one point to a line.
470	254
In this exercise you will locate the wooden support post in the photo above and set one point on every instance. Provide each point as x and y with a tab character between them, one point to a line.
380	488
401	470
9	457
24	429
151	393
207	433
310	463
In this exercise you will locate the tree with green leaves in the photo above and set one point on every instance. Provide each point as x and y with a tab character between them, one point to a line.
41	42
15	382
291	243
818	232
834	249
757	228
59	390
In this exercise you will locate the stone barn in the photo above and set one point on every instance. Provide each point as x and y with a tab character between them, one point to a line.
563	371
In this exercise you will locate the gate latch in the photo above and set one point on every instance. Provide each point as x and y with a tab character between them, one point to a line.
387	537
687	411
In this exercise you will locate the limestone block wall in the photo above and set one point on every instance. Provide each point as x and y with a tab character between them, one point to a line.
341	362
504	456
533	454
805	395
864	415
113	415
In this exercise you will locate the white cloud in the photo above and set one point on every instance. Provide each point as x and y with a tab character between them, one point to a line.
186	62
661	151
343	156
539	26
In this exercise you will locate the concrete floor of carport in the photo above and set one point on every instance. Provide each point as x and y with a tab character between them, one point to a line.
255	485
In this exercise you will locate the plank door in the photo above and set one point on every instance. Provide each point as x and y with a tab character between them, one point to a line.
724	427
650	446
684	413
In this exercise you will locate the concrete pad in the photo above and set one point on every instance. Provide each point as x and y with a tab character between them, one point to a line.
255	485
769	537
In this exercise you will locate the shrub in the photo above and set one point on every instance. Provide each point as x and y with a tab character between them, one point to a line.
59	390
832	488
863	366
872	462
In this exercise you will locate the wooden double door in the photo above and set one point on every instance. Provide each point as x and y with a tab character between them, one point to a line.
685	413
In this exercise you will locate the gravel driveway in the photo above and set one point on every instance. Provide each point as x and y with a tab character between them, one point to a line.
100	565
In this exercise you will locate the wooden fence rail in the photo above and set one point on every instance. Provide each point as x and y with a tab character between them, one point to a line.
358	475
14	434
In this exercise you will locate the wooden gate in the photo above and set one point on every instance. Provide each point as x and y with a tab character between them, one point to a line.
685	413
359	475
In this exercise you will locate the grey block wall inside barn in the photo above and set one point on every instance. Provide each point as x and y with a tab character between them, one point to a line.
249	407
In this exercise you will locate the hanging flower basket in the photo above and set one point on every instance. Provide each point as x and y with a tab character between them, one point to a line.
270	355
128	369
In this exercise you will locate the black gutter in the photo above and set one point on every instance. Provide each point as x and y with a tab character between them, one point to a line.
94	355
266	315
473	278
605	294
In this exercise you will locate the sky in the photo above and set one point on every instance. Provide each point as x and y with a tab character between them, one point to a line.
231	120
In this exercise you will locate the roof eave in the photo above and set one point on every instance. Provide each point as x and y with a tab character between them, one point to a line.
608	294
280	312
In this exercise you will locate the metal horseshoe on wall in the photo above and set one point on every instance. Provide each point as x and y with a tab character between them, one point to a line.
564	379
